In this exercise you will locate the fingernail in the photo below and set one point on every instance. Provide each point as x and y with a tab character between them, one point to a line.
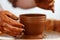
22	26
23	31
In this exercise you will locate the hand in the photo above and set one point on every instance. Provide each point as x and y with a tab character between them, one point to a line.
9	25
45	4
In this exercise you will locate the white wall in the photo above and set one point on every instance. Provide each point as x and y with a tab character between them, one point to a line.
17	11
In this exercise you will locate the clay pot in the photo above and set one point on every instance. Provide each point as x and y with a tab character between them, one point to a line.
34	23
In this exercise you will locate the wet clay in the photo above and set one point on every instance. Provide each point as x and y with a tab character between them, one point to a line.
34	23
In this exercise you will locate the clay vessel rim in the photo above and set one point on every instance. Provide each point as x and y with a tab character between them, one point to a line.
32	15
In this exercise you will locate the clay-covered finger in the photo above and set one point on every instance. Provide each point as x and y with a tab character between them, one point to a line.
52	6
13	28
11	15
1	23
52	3
11	33
10	30
1	28
52	9
1	33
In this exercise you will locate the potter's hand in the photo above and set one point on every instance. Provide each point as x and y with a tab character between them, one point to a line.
45	4
9	25
1	9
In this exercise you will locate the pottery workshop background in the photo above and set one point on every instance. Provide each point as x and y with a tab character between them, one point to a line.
7	6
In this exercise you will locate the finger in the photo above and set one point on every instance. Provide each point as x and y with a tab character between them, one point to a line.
0	22
52	9
10	21
9	14
52	6
1	27
7	31
1	33
52	3
11	33
12	28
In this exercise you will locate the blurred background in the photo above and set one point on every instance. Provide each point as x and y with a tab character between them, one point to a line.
17	11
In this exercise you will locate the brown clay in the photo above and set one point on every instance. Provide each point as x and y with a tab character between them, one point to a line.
33	36
34	23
